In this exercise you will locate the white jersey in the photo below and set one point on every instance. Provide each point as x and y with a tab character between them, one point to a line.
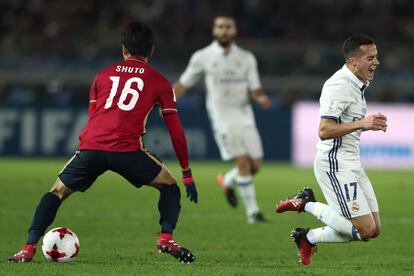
228	78
343	100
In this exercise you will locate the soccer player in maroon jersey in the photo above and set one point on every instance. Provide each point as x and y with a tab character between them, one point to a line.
121	97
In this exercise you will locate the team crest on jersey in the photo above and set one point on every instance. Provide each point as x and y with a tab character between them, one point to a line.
355	206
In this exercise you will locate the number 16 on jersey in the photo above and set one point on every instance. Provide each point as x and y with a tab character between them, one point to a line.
125	91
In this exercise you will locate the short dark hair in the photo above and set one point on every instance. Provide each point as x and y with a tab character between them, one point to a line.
138	39
351	44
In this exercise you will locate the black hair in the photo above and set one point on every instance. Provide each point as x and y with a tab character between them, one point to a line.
351	44
138	39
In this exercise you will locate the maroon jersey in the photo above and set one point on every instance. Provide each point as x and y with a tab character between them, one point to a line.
121	97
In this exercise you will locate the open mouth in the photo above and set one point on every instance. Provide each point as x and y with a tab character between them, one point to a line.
371	71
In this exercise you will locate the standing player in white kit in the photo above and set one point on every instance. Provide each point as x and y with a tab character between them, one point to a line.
231	79
352	212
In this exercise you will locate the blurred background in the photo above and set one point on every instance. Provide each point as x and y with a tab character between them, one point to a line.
51	50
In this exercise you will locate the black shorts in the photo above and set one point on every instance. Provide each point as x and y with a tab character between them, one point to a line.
138	167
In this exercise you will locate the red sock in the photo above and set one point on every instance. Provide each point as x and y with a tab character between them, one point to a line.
166	236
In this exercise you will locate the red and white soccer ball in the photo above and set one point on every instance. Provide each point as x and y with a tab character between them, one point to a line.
60	245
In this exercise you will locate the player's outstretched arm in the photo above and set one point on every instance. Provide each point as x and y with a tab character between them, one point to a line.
330	129
180	147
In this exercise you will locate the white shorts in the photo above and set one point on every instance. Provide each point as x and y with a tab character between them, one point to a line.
348	192
238	141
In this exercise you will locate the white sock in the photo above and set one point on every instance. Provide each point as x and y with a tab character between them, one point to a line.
230	176
326	234
330	217
247	193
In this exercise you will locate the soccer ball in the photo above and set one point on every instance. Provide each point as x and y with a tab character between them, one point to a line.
60	245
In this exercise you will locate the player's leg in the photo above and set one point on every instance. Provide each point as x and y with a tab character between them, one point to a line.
365	226
346	206
341	230
142	168
348	214
77	175
256	165
369	194
169	201
44	215
46	210
252	144
227	179
377	222
347	211
229	145
247	191
169	207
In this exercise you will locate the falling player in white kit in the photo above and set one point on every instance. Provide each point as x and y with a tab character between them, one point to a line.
231	79
352	212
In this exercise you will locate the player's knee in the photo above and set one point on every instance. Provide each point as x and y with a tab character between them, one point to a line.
170	191
244	166
377	232
169	181
367	231
61	194
60	190
256	166
164	178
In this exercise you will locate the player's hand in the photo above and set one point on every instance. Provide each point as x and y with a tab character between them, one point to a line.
190	186
375	122
264	101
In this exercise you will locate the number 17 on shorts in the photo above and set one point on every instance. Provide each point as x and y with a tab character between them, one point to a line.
348	193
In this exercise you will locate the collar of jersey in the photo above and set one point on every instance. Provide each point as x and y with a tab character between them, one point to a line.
136	58
361	84
220	49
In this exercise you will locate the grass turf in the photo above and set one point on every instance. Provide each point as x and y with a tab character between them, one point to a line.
116	225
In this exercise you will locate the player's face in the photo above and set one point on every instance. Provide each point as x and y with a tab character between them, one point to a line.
366	62
224	30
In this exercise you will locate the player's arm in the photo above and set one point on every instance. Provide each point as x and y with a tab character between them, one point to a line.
329	128
167	100
177	136
179	143
334	101
180	89
257	93
190	76
92	97
260	97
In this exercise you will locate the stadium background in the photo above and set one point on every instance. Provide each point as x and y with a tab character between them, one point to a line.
51	50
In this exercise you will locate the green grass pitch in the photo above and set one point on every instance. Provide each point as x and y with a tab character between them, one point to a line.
117	223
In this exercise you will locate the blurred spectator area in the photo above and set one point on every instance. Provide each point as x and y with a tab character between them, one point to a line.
51	49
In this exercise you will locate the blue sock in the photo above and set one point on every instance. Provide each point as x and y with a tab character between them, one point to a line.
44	215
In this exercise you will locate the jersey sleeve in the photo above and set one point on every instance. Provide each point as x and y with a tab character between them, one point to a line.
334	100
253	74
193	72
167	99
93	92
93	95
178	139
